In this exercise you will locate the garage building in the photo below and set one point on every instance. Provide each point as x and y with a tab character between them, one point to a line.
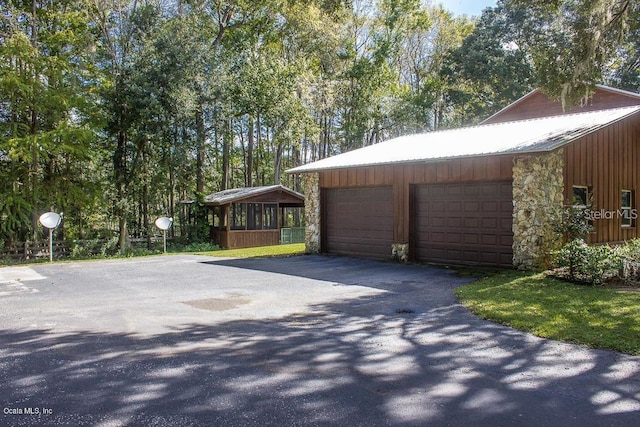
485	195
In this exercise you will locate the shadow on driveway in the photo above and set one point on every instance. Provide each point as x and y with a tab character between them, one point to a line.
354	363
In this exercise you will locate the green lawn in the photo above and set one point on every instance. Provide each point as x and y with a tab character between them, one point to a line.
263	251
596	317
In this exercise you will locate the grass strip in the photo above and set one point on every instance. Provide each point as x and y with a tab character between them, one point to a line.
596	317
262	251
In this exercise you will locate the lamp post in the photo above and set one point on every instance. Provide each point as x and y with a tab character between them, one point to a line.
51	221
164	223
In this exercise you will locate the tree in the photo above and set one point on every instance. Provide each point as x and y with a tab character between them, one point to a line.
625	68
572	42
124	32
46	114
427	104
489	70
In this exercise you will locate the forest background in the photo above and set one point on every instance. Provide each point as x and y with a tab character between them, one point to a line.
115	111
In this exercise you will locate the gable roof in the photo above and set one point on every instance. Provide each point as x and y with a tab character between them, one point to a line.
235	195
536	104
523	136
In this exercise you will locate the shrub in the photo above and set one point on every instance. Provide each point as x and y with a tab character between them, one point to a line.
110	246
629	255
588	264
572	256
135	252
85	248
575	222
198	247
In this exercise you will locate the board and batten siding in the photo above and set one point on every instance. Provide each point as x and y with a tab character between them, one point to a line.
607	161
537	104
401	176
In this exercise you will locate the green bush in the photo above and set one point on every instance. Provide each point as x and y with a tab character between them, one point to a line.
629	255
196	247
85	248
588	264
135	252
110	247
572	256
574	222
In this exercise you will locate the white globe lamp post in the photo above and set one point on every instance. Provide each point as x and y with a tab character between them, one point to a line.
164	223
51	221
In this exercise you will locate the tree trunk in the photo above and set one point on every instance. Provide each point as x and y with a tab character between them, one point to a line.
119	166
201	138
226	154
259	146
33	128
172	181
277	167
145	199
249	182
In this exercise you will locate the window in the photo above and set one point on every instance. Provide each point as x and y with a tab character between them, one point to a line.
270	216
238	216
580	195
219	220
292	217
254	215
627	211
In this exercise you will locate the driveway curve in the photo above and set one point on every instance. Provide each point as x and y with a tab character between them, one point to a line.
306	340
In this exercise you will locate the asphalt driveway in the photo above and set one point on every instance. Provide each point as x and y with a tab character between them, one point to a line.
308	340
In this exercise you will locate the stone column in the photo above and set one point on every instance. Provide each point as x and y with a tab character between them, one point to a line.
538	195
311	183
400	252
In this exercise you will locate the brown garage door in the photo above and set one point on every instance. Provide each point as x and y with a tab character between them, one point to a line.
464	223
359	221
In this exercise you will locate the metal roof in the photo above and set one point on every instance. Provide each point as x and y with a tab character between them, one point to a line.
523	136
238	194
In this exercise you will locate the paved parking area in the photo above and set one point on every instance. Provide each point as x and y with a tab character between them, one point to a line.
308	340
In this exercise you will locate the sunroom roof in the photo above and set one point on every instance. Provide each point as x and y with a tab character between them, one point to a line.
239	194
523	136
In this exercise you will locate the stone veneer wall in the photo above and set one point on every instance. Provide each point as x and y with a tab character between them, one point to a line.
400	252
538	195
311	183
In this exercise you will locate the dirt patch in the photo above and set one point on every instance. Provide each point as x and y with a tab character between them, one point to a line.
219	304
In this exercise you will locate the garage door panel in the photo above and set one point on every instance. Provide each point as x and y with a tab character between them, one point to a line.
359	221
454	237
506	206
453	222
489	239
437	237
506	259
471	239
464	223
490	258
470	223
506	240
471	207
491	223
439	222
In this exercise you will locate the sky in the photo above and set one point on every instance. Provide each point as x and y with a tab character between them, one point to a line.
469	7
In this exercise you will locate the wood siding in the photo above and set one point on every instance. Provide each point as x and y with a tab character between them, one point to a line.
539	105
245	238
607	161
401	176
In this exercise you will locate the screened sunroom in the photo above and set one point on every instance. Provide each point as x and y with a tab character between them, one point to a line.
256	216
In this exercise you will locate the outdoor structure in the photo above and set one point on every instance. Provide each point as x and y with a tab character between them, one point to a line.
482	195
255	216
